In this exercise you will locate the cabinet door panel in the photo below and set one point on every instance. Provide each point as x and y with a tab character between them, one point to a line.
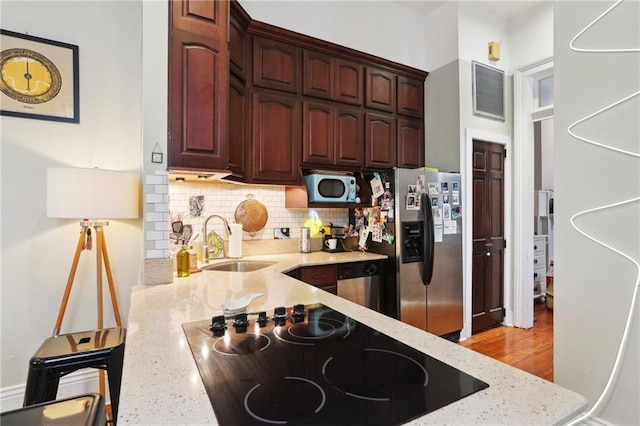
318	138
275	65
410	143
238	115
380	90
410	97
237	49
349	143
349	82
198	96
318	75
276	138
207	18
380	141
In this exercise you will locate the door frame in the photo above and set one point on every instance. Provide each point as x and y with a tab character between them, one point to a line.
467	222
523	199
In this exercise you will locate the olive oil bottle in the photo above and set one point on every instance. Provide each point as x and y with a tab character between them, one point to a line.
183	262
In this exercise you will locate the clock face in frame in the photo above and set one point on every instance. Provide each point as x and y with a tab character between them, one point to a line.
28	76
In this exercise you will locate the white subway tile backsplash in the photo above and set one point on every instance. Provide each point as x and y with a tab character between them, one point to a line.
154	180
223	199
156	254
156	235
154	198
161	226
154	217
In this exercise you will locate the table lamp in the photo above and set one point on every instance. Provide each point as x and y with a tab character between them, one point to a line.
92	195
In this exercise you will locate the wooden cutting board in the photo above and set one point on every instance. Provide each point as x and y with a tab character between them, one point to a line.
252	215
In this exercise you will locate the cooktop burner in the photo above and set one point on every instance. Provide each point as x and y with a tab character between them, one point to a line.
313	365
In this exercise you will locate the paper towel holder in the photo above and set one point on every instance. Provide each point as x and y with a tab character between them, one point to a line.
235	241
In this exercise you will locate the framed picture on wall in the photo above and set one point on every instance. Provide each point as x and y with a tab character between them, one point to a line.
38	78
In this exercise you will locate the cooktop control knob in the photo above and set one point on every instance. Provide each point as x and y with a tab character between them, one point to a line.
262	318
280	315
218	325
298	313
371	269
240	322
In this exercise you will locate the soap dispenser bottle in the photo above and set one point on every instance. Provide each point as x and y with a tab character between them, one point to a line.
183	262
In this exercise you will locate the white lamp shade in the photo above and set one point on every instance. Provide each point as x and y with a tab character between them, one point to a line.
74	193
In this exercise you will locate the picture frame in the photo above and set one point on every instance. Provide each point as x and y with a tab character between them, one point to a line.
39	78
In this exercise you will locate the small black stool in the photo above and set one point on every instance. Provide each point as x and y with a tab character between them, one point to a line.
80	410
60	355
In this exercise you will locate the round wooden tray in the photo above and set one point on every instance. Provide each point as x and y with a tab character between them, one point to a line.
252	215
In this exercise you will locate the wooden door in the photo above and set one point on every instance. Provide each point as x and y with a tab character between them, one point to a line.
317	80
488	235
198	85
276	65
410	97
380	141
276	138
318	137
380	90
410	143
349	82
349	143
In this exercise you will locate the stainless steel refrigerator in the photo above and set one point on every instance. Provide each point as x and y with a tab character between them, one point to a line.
423	238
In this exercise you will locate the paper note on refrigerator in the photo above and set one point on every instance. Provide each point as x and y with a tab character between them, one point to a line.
437	234
450	227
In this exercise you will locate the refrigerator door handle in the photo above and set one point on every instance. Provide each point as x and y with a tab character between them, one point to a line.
427	264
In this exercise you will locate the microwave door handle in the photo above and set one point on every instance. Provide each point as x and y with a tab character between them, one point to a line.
428	239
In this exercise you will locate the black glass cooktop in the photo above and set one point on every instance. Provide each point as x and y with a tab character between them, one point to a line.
313	365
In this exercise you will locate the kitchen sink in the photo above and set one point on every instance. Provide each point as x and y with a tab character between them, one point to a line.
239	266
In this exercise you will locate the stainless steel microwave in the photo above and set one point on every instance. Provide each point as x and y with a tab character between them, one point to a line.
331	188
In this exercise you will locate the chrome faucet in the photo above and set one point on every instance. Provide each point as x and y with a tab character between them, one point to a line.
205	248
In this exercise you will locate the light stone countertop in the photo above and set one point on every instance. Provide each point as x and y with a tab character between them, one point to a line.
161	384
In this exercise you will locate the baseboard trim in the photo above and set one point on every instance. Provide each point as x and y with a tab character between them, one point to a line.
76	383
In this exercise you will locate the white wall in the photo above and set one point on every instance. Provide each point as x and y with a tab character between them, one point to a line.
593	285
530	36
36	251
376	27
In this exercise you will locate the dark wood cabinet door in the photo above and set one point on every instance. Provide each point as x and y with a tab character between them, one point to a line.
207	18
349	82
317	70
276	138
238	118
380	89
325	277
410	143
276	65
349	142
410	97
237	47
318	137
380	141
198	102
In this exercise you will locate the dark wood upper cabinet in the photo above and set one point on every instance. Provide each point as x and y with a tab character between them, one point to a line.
380	141
410	97
238	57
198	85
410	143
348	137
238	127
380	89
349	82
206	18
332	136
318	146
317	71
276	65
275	138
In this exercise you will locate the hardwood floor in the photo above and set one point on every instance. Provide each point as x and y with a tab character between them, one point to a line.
529	350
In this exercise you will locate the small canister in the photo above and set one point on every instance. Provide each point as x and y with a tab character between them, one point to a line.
305	240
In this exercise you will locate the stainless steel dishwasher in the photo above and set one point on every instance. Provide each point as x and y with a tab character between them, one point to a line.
359	282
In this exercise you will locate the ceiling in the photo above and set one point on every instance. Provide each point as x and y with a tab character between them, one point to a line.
505	8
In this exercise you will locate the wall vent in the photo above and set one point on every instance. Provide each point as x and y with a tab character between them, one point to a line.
488	91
